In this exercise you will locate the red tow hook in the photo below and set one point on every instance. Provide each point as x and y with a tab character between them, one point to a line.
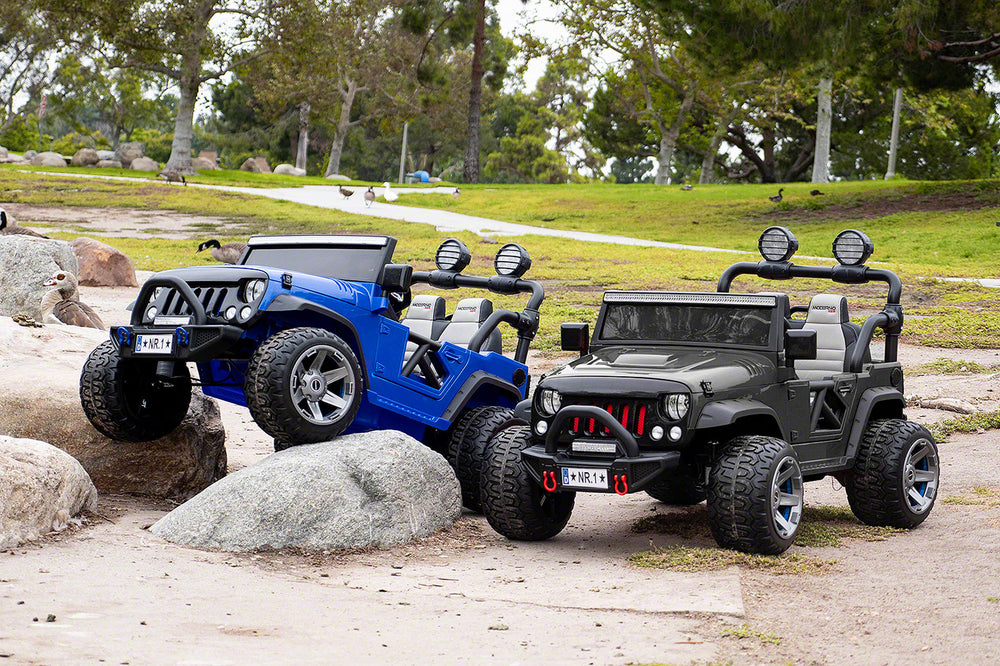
623	489
549	477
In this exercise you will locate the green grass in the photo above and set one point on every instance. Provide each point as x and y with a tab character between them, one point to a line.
745	632
978	496
695	559
947	366
966	424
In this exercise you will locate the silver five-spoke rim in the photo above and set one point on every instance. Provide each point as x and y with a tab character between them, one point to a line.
920	475
322	385
786	497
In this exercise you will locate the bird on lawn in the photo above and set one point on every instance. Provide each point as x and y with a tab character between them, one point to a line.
7	230
455	194
172	176
346	193
817	193
687	187
229	253
369	197
62	305
776	198
389	194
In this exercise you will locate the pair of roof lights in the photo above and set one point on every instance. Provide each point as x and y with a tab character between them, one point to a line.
511	260
850	247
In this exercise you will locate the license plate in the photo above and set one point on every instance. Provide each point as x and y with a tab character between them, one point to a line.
582	477
154	344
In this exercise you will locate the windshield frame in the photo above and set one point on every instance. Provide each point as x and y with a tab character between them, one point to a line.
380	249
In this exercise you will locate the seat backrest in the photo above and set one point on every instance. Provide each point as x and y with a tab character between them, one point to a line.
426	316
468	317
835	337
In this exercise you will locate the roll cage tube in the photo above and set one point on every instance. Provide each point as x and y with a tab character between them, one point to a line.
182	287
890	319
526	322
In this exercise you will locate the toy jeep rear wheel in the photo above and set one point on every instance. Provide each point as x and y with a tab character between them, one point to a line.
895	477
467	447
513	503
677	490
303	385
125	400
755	495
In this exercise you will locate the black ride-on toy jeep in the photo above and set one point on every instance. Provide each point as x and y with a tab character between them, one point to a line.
723	396
306	332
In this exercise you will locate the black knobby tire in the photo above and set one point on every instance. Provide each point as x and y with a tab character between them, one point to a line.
895	476
303	385
467	446
513	503
126	401
755	495
677	490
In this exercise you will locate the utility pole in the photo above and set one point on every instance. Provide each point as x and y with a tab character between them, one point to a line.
402	154
897	104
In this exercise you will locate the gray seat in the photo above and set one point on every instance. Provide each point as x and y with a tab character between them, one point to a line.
466	320
836	337
426	317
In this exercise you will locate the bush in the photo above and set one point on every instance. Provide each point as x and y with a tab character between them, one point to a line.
69	144
157	143
22	134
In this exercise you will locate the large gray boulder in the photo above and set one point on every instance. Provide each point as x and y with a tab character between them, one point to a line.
40	389
41	488
105	154
128	151
250	164
288	170
109	164
85	157
379	488
203	164
144	164
337	176
48	159
25	264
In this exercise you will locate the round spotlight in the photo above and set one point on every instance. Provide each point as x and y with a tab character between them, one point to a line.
852	247
512	260
151	313
777	244
656	433
675	434
452	255
542	427
231	312
246	312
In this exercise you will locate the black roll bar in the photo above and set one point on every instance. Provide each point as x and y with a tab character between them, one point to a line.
623	438
182	287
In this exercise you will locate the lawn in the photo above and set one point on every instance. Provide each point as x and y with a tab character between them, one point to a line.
917	244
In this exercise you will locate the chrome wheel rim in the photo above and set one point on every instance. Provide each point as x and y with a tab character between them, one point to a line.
786	497
322	385
920	475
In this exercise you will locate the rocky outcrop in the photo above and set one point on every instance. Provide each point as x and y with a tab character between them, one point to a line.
40	385
109	164
41	489
379	488
144	164
202	164
85	157
102	265
250	164
126	152
48	159
288	170
25	264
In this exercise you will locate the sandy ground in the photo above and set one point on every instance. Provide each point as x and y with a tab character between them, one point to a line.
116	594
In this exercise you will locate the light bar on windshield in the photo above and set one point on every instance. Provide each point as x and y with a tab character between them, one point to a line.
759	300
373	241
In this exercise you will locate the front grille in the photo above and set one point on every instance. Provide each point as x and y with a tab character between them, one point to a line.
635	415
213	299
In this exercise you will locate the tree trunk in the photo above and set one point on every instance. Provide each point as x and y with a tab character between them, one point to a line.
303	148
343	126
824	120
471	169
897	104
668	139
708	162
180	148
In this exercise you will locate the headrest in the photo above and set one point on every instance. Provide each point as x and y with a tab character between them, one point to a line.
473	309
426	306
827	309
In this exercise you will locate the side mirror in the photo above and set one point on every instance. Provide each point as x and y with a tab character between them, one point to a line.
800	343
575	336
396	277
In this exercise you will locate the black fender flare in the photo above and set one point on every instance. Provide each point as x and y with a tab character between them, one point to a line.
289	303
867	403
726	412
476	381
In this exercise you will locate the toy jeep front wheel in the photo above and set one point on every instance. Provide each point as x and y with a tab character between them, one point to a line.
895	477
467	447
126	400
303	385
755	495
513	503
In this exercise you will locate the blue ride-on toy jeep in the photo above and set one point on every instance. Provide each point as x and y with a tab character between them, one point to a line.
305	331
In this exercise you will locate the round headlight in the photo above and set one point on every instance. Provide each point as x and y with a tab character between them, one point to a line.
253	290
676	405
549	402
852	247
151	313
512	260
452	255
777	244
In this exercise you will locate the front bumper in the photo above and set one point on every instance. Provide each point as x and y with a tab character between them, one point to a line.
193	342
627	470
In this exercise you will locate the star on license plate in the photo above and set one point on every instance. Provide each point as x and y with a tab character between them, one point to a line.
582	477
